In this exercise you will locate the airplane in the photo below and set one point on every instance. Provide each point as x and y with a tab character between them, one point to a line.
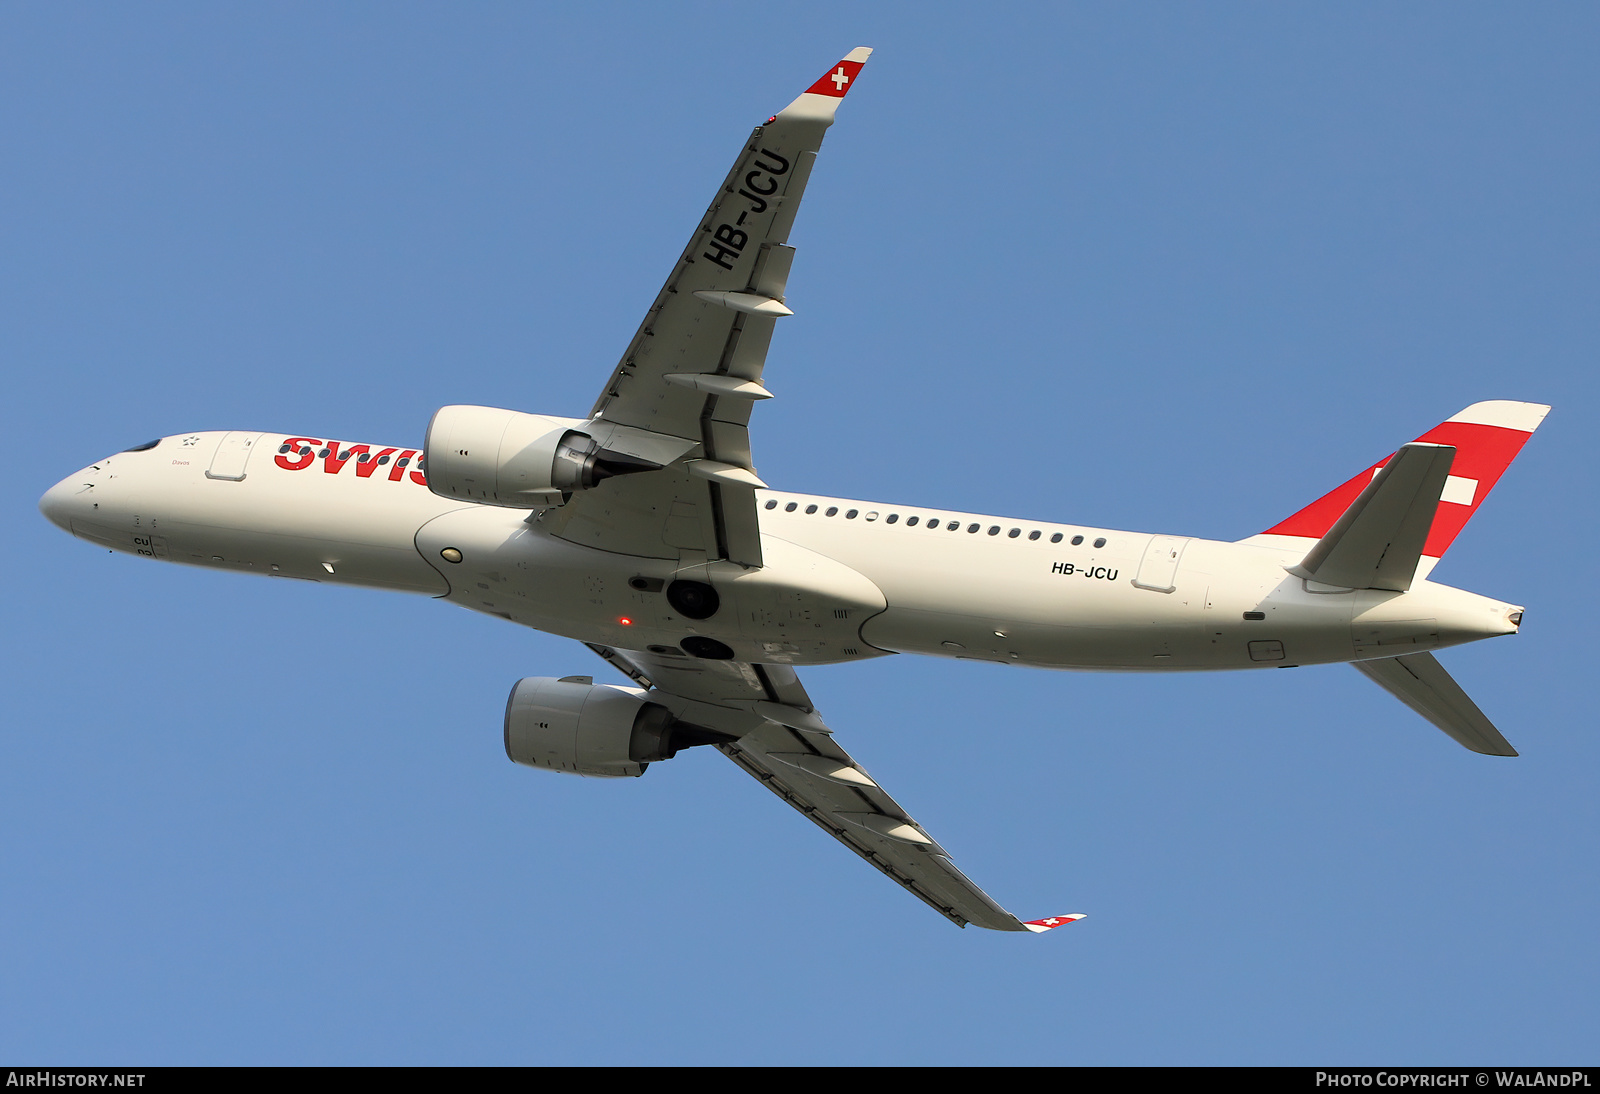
643	531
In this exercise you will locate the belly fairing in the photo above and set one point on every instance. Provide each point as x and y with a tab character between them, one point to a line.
799	608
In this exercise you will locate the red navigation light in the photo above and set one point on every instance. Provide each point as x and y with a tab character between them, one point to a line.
625	621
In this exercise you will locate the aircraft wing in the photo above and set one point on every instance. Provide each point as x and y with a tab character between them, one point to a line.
694	368
784	743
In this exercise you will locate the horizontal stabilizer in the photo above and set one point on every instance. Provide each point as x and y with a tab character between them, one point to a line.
1378	540
1421	683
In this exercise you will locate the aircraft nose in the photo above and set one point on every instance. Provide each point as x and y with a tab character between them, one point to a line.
61	502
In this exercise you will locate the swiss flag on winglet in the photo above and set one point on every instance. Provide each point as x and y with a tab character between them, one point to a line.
837	81
1039	926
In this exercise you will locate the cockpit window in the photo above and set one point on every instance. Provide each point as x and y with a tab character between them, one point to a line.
147	446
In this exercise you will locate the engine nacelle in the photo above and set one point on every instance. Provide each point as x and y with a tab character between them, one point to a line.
575	725
520	461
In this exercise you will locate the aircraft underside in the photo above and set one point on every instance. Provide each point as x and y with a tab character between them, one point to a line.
643	531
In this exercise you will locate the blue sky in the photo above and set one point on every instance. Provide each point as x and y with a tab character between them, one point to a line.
1165	268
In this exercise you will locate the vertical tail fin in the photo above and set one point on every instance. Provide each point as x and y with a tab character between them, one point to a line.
1486	436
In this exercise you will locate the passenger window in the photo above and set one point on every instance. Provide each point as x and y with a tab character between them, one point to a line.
953	525
851	515
1101	542
810	509
872	514
833	510
911	522
791	507
896	516
1034	534
994	530
383	459
772	505
1075	540
1056	538
1014	533
972	527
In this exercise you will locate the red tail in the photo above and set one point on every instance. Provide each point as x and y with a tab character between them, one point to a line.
1486	436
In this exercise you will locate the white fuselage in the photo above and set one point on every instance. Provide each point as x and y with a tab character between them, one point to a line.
842	579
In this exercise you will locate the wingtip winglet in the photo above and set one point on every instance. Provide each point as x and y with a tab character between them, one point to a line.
837	81
1050	923
818	102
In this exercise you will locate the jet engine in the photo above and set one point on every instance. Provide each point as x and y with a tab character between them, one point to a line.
575	725
520	461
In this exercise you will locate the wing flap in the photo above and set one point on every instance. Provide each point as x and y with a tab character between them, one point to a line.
735	523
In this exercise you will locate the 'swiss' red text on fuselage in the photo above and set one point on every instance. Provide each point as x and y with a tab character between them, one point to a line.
299	453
